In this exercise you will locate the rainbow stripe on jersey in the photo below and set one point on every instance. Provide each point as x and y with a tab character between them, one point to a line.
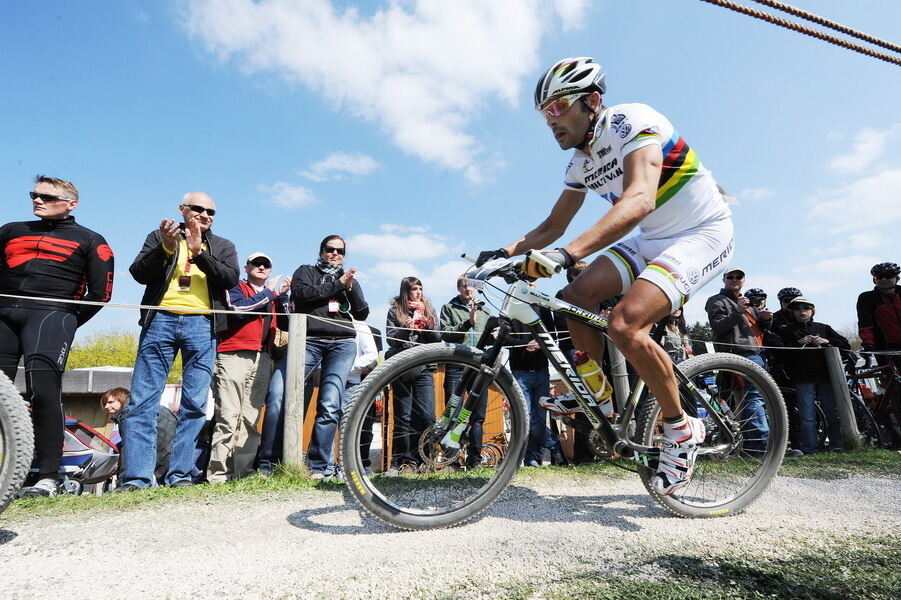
680	164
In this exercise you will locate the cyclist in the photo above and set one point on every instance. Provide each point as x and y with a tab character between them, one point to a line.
51	258
879	311
631	155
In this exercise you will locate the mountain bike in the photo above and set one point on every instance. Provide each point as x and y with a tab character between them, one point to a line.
881	412
16	441
744	416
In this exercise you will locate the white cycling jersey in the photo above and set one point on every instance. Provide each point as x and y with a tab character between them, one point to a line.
687	195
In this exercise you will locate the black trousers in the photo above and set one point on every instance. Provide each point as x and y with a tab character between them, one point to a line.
43	338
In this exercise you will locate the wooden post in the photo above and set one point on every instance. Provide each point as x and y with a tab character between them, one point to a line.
294	390
842	396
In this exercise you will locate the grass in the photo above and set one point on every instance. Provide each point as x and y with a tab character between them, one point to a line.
860	567
864	462
839	465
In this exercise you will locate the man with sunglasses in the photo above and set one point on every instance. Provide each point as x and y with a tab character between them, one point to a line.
879	311
187	270
51	258
738	328
243	368
632	156
333	298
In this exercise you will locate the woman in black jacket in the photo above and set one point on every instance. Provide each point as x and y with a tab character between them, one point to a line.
808	372
411	321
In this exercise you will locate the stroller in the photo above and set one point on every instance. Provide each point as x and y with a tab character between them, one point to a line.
89	458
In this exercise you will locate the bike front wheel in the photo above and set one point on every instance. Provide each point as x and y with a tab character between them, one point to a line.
745	442
395	466
16	441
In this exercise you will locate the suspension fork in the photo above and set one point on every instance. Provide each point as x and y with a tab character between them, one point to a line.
474	384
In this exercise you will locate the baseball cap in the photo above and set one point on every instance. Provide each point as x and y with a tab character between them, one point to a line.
256	255
735	270
801	300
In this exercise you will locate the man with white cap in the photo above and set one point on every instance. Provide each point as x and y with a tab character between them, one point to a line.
243	368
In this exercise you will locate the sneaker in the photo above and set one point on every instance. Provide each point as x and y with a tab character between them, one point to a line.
677	458
318	475
47	487
793	453
533	463
182	483
265	470
562	405
393	471
127	487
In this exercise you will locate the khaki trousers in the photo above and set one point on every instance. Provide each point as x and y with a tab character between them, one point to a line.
239	387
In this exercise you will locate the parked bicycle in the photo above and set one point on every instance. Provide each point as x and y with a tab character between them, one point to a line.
16	441
735	463
878	411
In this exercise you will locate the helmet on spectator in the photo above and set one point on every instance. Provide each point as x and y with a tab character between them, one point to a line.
886	269
755	292
570	76
788	292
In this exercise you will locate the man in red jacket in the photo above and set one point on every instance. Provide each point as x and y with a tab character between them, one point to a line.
243	367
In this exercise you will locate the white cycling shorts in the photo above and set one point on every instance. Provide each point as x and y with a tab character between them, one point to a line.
678	265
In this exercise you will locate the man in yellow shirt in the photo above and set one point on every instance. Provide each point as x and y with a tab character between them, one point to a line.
186	270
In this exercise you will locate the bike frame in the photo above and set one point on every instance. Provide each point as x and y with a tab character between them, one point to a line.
519	305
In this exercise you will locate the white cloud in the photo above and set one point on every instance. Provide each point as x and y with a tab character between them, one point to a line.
418	69
858	205
389	273
756	194
338	164
869	146
287	195
571	13
389	228
395	245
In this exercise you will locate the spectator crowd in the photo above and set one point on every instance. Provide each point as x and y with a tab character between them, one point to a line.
239	349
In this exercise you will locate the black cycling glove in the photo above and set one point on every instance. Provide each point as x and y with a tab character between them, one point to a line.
486	255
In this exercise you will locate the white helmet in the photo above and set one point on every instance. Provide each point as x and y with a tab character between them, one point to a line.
570	76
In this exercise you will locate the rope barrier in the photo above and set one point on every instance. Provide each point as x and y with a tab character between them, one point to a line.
560	334
797	12
802	29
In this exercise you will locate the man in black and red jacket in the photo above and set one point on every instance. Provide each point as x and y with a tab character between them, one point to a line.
879	311
51	258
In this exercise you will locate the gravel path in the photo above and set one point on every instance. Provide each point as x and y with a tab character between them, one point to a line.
311	544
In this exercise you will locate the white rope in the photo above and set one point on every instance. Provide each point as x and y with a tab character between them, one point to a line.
563	334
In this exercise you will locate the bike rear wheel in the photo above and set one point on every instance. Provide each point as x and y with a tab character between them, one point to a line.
413	483
867	428
16	441
737	460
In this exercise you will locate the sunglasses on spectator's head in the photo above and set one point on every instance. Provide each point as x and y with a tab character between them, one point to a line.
558	106
48	197
261	262
202	209
734	277
332	250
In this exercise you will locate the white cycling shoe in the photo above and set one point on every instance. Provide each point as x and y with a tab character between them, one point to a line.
677	458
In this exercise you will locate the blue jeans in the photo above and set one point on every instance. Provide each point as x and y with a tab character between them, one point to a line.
274	421
805	397
754	425
534	385
167	334
334	358
414	412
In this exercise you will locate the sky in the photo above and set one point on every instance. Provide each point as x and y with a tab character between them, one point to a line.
407	127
